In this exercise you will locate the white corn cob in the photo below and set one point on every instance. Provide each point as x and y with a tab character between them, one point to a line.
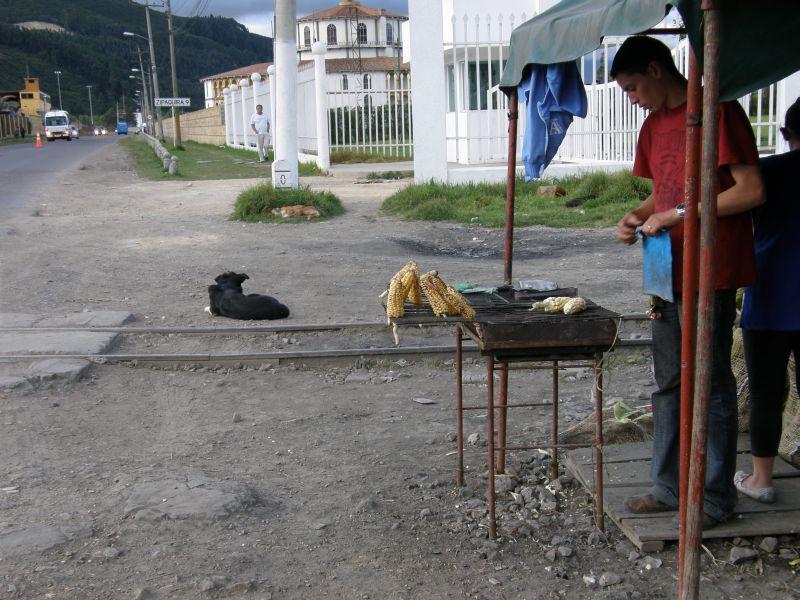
574	306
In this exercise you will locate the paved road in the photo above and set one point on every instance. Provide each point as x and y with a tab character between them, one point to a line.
27	172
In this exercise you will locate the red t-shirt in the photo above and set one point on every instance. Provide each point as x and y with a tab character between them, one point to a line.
661	156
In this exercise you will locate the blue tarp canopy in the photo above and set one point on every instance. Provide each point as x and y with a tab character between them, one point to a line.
760	41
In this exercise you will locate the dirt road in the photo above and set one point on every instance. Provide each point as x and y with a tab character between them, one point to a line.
292	482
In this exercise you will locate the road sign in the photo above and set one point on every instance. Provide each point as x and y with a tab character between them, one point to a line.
173	102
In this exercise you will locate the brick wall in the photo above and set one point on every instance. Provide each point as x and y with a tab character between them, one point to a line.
204	126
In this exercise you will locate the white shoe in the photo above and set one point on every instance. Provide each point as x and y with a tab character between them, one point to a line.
764	495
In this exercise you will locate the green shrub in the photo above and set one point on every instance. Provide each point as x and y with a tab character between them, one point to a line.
254	204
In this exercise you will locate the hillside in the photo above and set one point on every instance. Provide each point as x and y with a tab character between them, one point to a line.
92	50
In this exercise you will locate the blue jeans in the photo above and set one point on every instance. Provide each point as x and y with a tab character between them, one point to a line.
720	494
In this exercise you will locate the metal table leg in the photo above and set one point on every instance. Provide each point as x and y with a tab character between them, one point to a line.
598	441
459	410
490	443
502	403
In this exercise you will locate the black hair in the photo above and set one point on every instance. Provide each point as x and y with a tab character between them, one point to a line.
793	119
637	52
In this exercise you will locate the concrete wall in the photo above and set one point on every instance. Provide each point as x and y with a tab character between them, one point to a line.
204	126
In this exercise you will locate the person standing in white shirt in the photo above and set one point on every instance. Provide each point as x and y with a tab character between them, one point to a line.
259	123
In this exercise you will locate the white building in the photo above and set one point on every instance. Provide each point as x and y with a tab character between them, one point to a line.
352	31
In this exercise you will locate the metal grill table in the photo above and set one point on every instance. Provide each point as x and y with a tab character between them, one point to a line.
506	331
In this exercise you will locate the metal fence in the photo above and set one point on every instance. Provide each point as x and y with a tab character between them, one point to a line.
14	125
375	117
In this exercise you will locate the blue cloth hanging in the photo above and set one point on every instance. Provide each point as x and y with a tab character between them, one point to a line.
553	95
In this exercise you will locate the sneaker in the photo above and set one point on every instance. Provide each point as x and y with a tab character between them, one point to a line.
646	503
764	495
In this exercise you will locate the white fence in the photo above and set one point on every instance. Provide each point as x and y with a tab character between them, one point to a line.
239	105
375	119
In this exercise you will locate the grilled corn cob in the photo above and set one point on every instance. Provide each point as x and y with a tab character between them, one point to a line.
574	306
458	303
396	298
436	293
411	283
553	304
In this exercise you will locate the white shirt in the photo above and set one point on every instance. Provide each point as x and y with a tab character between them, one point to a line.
261	121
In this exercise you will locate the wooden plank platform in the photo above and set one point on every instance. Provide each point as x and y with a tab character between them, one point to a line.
627	472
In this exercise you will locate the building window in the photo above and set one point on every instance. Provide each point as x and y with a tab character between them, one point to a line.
389	34
307	36
367	81
362	33
344	82
332	35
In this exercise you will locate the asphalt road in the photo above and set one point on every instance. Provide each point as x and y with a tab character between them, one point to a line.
28	174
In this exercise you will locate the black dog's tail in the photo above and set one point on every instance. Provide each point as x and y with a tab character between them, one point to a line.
212	297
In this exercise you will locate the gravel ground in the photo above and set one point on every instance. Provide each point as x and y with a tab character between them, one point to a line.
295	481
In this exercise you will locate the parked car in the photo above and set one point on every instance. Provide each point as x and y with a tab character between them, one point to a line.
75	133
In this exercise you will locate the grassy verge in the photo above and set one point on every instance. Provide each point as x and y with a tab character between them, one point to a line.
601	200
254	204
205	161
340	156
390	174
10	141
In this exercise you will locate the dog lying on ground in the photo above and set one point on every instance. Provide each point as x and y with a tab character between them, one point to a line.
228	300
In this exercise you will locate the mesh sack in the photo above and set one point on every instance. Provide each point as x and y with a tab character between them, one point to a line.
789	447
739	368
615	431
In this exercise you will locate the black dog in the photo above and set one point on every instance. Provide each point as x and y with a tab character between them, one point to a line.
228	300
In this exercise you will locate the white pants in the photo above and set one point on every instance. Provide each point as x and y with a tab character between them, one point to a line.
262	144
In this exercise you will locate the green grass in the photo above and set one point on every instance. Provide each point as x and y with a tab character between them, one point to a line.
389	174
254	204
343	155
8	141
606	198
205	161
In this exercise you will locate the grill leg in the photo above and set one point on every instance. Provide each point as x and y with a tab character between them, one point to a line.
598	442
501	413
490	443
554	426
459	411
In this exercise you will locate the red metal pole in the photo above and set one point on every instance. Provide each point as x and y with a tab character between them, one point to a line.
690	584
511	180
599	516
459	410
689	288
502	410
490	444
554	423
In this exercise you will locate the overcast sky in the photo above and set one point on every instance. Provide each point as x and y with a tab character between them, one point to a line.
256	15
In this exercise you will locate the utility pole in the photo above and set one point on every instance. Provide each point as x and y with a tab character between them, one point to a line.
146	105
91	113
284	168
153	71
175	116
58	79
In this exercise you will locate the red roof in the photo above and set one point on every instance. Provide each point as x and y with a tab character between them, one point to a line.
374	63
352	9
241	72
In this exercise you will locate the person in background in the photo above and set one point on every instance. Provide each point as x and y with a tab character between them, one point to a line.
770	318
259	123
644	69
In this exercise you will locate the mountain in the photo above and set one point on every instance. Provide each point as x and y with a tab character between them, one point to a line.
83	39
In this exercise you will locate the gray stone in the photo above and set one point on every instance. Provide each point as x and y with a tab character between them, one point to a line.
551	555
476	439
6	229
609	578
143	594
367	505
174	499
17	320
648	563
565	551
237	418
787	553
206	585
425	512
590	581
634	555
319	525
356	377
740	555
111	552
56	342
503	483
70	369
38	538
89	318
10	382
769	544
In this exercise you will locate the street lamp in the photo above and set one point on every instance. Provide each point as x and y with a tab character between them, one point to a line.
91	113
154	88
58	79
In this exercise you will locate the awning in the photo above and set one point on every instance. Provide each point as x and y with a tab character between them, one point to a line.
760	40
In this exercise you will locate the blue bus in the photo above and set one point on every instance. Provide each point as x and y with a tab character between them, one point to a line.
122	128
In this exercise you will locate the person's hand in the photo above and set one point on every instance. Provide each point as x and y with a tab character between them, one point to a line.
626	228
666	219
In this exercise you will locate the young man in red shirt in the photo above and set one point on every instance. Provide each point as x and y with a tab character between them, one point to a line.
644	69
